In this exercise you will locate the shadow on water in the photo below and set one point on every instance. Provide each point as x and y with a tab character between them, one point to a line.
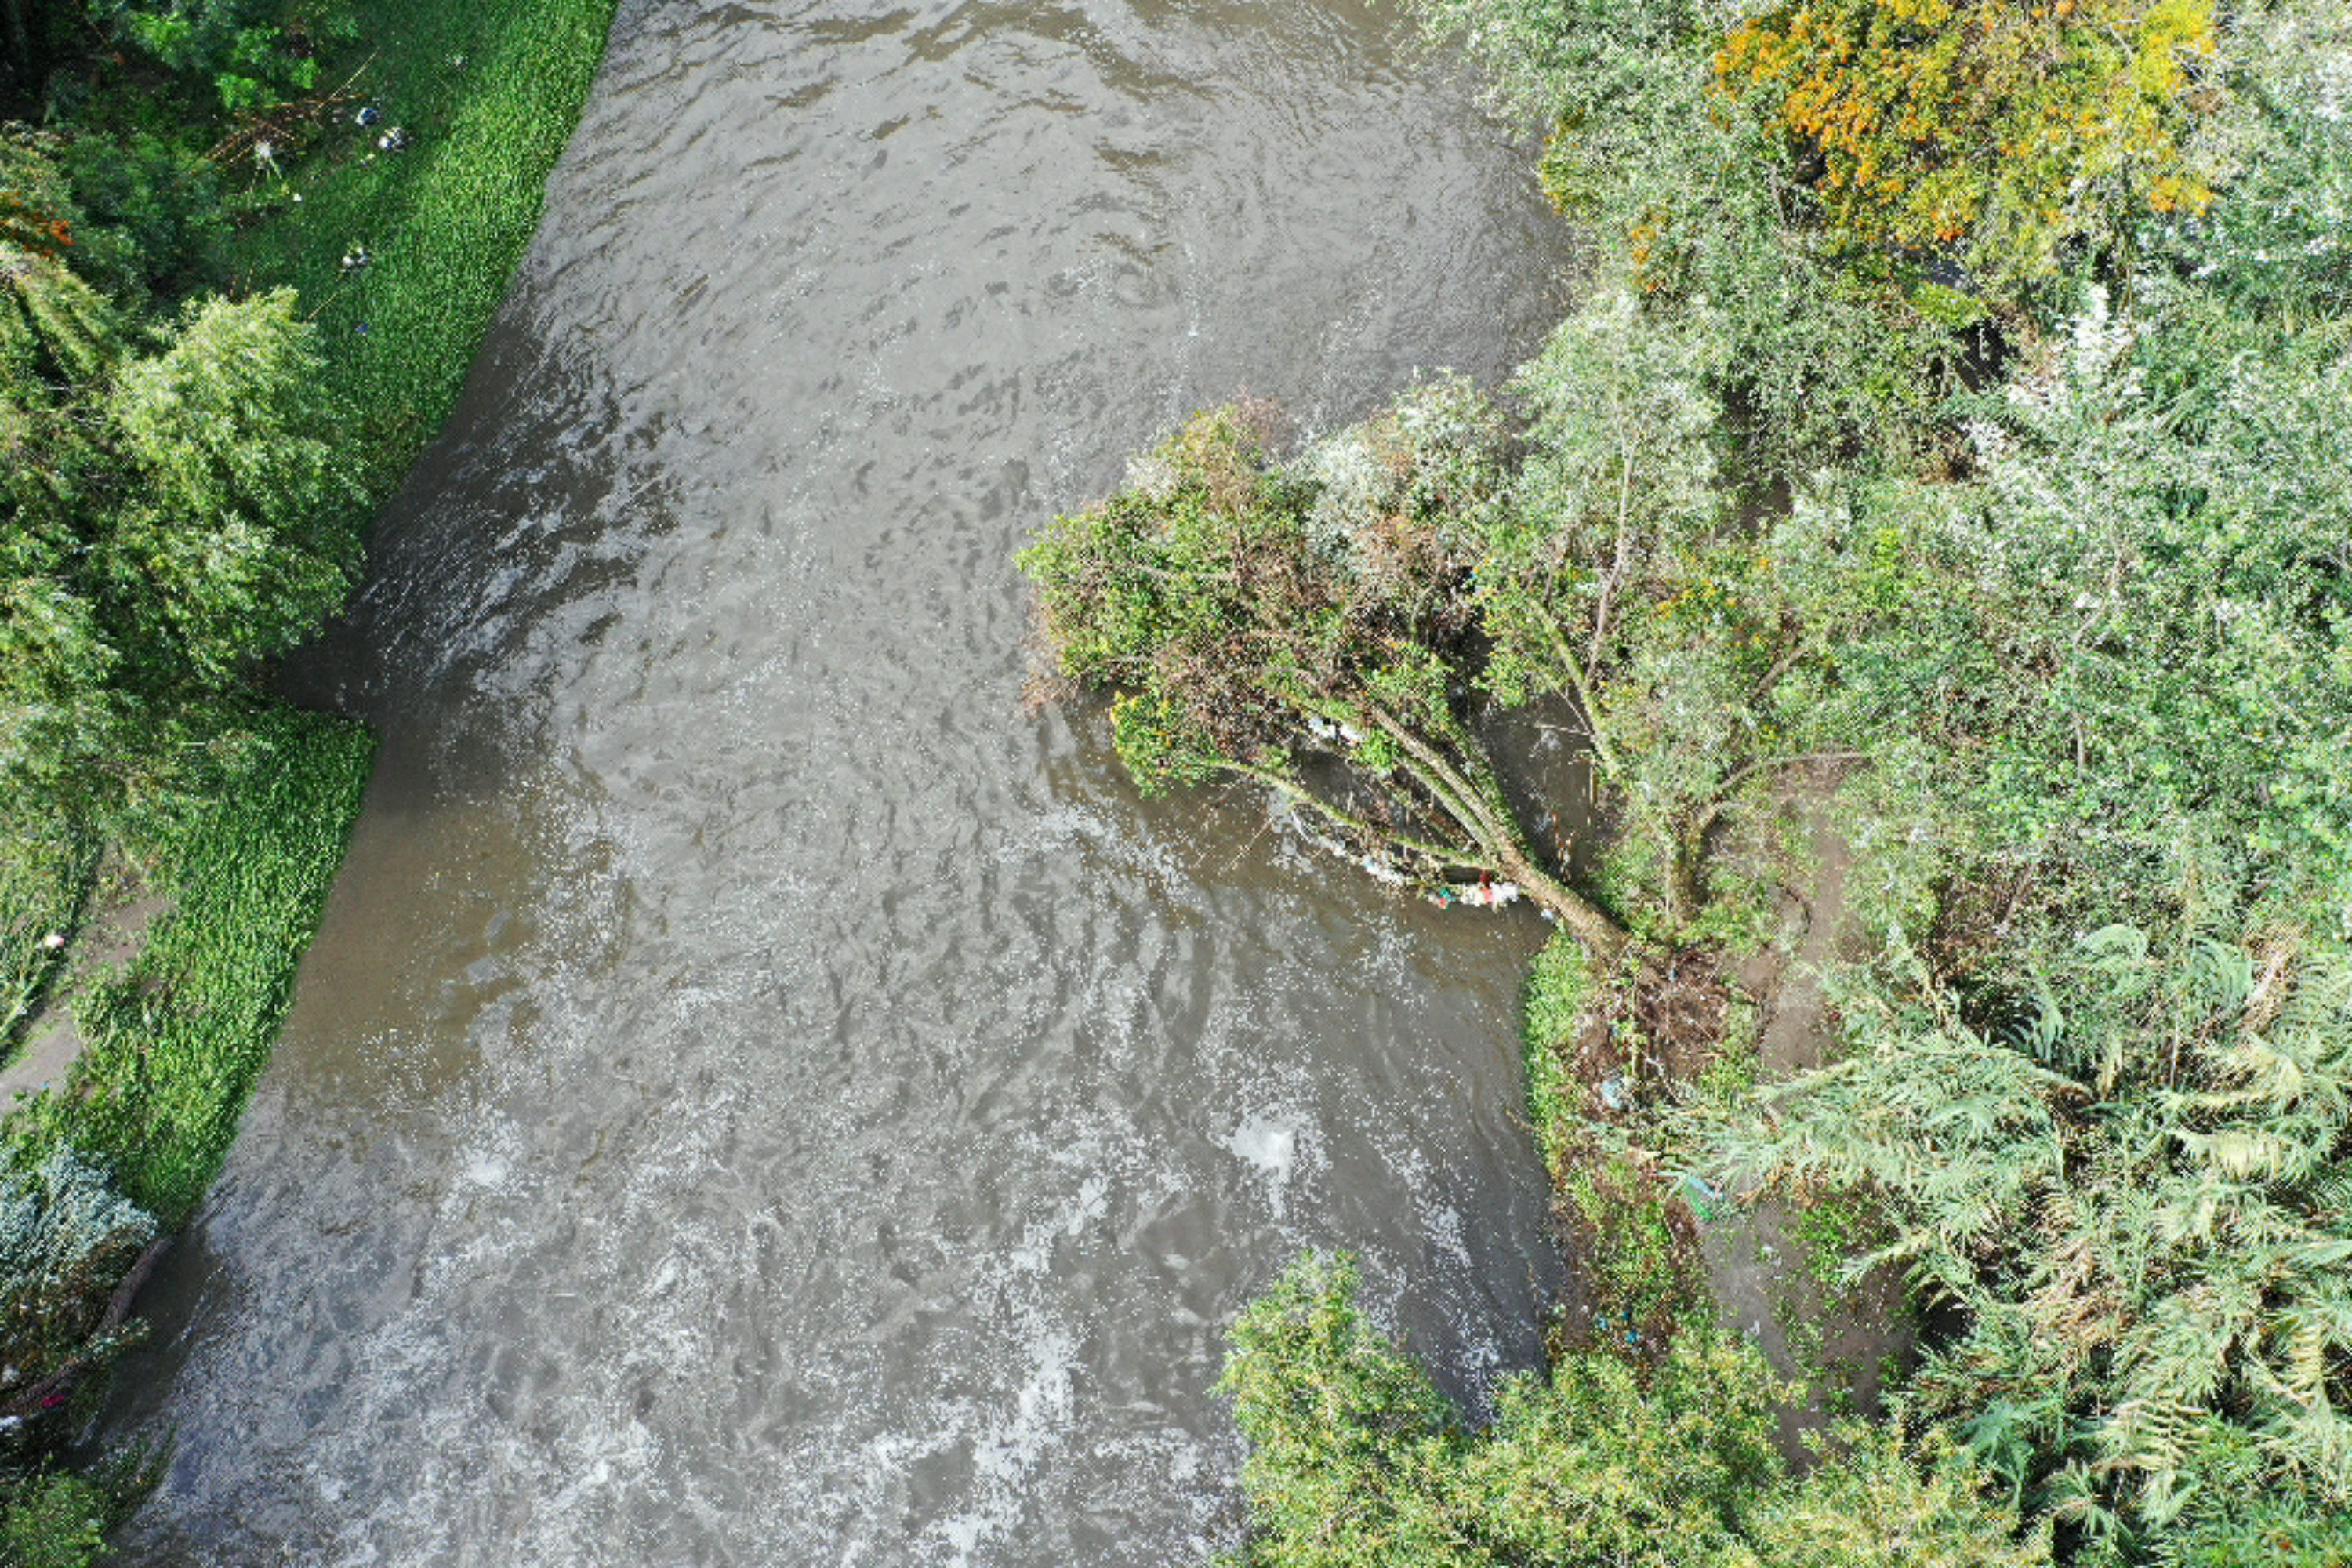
758	1095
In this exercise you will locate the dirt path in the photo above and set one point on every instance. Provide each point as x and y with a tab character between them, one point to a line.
1844	1342
120	910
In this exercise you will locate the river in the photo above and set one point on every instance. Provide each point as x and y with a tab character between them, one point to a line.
760	1096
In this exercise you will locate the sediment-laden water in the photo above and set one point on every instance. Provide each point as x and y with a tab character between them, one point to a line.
760	1096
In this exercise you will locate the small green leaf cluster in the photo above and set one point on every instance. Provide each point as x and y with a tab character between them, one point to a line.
53	1518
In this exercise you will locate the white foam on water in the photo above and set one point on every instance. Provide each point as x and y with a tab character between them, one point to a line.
1007	1451
1269	1144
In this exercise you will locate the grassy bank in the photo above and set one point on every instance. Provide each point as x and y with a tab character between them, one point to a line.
487	97
45	878
176	1040
235	855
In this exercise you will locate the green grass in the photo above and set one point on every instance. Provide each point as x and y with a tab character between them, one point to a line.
1559	986
445	220
176	1041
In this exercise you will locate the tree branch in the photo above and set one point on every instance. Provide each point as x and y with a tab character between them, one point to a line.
1581	680
1781	666
1448	855
1601	936
1482	824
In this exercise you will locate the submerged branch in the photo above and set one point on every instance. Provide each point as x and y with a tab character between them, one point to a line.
1456	855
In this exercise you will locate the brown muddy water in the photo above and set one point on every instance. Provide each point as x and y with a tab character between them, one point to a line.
761	1097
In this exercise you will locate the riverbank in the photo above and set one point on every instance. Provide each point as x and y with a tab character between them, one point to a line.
485	99
480	101
397	199
1944	575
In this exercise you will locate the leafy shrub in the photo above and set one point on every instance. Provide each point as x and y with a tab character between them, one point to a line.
2135	1204
1980	127
1875	1501
2117	654
227	41
59	1519
1356	1460
51	1519
152	225
66	1241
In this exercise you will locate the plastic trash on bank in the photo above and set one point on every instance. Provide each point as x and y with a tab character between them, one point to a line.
1485	893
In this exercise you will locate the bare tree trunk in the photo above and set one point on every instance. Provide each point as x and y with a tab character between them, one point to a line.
1686	893
1468	795
1604	940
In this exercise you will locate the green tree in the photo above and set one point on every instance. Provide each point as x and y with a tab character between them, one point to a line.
1623	571
1246	612
1871	1502
232	535
170	520
59	1519
2116	659
1985	128
1350	1444
51	1519
1356	1461
228	42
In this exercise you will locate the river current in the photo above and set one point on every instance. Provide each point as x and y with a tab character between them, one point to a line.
760	1096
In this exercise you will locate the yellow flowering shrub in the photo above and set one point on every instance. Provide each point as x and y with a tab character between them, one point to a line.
1998	129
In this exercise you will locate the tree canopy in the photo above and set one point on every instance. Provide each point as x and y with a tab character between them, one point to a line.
1246	612
1356	1461
1985	129
171	515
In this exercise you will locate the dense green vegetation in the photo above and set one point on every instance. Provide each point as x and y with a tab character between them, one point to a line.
1356	1459
246	249
174	1042
1947	454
